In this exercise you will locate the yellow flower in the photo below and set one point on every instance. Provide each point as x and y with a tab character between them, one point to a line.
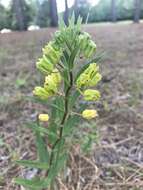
89	77
52	81
41	92
89	114
56	76
52	53
44	65
43	117
82	80
95	79
49	85
90	94
51	56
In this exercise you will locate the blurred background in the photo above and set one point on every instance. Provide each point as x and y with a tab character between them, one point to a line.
20	14
115	161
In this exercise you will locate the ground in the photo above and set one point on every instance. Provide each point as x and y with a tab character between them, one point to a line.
116	161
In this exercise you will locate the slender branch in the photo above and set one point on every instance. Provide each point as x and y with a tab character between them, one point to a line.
66	98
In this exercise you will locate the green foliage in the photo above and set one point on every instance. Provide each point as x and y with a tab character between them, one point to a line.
3	17
8	16
26	13
56	133
20	82
102	11
43	17
34	184
33	164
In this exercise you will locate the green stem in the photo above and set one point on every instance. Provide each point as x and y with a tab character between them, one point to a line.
66	110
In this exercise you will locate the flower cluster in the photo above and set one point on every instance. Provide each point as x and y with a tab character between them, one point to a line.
89	78
46	64
51	85
52	54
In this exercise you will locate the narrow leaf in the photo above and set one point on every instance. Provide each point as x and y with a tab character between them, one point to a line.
31	184
33	164
41	148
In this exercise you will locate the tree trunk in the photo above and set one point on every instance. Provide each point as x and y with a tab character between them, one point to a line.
17	5
113	11
137	9
53	12
76	11
66	13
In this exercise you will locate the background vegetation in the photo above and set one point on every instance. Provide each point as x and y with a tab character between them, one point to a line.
22	13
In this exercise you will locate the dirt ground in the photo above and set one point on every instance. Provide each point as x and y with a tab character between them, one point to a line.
116	161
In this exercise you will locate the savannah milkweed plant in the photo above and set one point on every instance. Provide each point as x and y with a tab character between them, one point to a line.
64	82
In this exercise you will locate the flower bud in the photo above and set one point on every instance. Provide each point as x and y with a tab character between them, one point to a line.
52	82
52	53
41	92
87	46
56	76
90	49
95	79
89	77
83	40
92	95
82	80
45	65
43	117
49	85
89	114
92	69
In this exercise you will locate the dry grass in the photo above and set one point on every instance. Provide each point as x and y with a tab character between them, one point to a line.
116	161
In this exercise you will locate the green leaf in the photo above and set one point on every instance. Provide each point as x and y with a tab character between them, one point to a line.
86	144
41	148
72	20
79	22
61	23
73	98
52	136
45	131
36	128
43	102
66	80
58	161
64	59
70	124
42	151
72	57
57	113
34	184
33	164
